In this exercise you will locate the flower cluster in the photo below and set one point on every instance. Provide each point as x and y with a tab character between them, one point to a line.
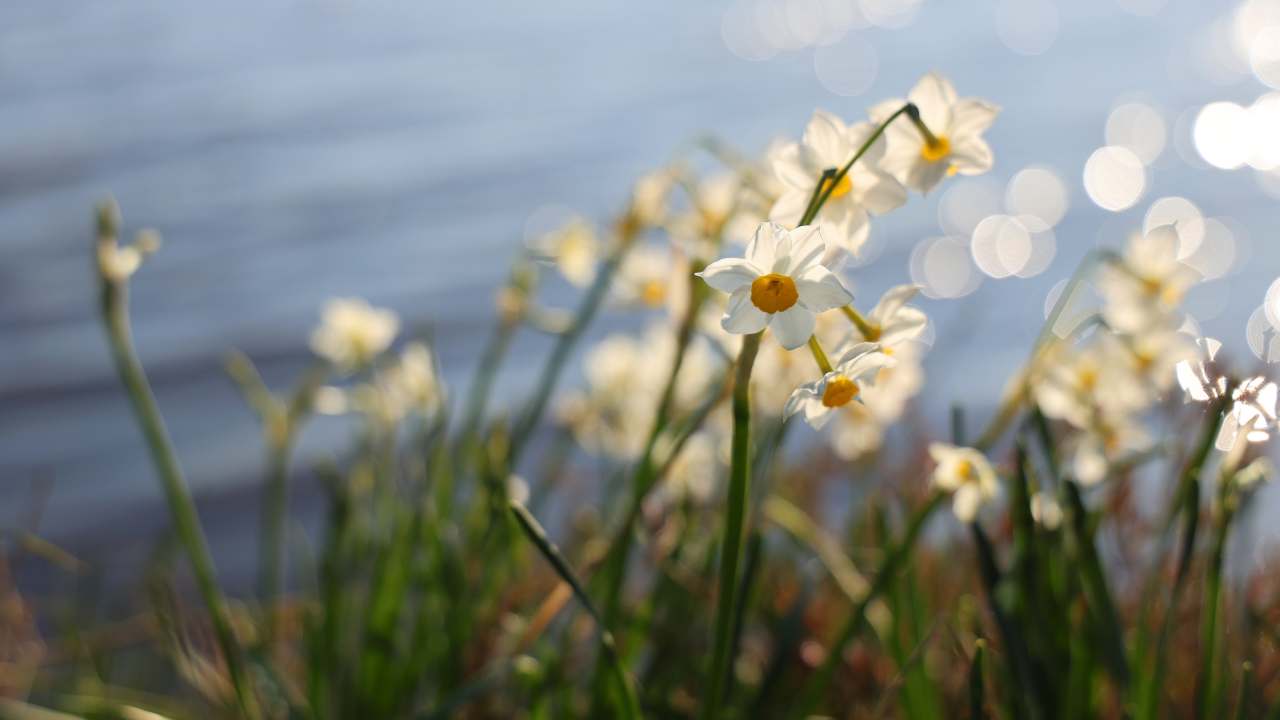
1125	356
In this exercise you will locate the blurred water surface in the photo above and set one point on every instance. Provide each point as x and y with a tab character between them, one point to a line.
293	151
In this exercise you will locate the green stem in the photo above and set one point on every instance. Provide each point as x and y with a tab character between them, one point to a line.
113	299
731	547
533	530
825	187
869	331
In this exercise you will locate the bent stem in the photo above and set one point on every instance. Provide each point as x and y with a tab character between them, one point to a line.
534	531
731	547
113	303
827	185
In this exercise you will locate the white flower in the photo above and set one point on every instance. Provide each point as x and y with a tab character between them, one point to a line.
967	474
781	284
647	277
414	378
649	197
840	386
826	146
1145	289
1109	437
1046	510
1200	378
956	124
574	248
893	322
352	332
118	262
1252	413
860	428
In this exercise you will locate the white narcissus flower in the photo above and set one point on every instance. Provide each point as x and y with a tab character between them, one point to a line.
1252	413
818	399
352	332
956	124
967	475
893	322
1046	510
828	145
860	428
781	284
1144	290
574	248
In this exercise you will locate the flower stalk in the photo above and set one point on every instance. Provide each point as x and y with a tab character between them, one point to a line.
827	186
113	304
731	546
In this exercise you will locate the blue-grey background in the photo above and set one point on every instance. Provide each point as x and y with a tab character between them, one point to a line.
293	151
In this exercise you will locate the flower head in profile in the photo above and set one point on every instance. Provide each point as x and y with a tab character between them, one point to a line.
892	322
820	398
352	332
1144	289
825	148
781	284
953	142
967	475
574	248
1252	414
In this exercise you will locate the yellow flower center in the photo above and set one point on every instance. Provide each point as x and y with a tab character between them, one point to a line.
653	293
964	470
936	150
839	391
842	188
773	293
1088	378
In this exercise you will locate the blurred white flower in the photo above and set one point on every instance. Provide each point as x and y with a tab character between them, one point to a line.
1046	510
967	474
957	125
625	378
860	428
1106	439
1143	291
574	248
826	146
1252	414
414	378
781	284
692	475
840	386
650	194
118	262
1200	378
352	332
517	489
648	276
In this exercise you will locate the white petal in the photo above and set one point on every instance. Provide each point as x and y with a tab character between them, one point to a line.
789	168
763	248
825	135
934	95
866	364
729	274
789	208
924	176
883	193
893	299
907	324
820	289
817	414
971	157
970	116
741	316
966	502
793	326
882	110
807	249
799	396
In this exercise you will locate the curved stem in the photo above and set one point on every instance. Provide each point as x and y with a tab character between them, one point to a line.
819	356
827	186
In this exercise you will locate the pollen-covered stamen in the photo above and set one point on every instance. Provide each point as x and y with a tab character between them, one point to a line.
839	391
965	470
773	293
842	187
936	149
